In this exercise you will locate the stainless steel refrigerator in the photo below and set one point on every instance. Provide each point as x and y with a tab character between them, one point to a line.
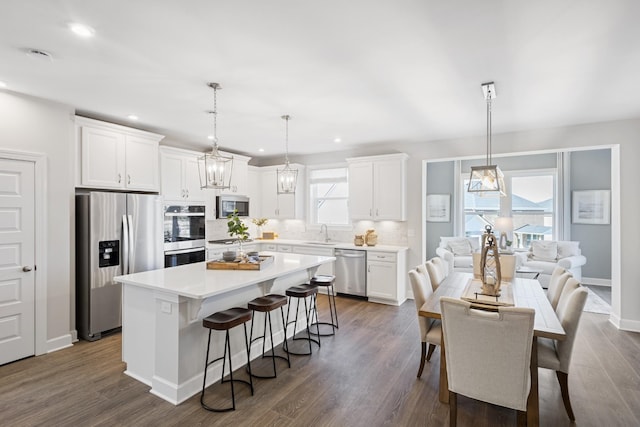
116	233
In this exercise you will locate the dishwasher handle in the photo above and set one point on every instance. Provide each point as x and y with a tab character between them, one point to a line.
349	255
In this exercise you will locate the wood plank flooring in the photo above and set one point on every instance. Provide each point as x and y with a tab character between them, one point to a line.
364	376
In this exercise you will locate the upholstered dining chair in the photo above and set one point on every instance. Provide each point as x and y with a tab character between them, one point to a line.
556	355
569	286
437	271
557	282
488	355
430	329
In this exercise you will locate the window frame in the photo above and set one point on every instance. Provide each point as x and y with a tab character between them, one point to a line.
311	225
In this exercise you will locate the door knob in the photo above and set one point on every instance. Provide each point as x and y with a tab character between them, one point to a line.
26	269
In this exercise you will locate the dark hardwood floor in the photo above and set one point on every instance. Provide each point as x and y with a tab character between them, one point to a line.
364	376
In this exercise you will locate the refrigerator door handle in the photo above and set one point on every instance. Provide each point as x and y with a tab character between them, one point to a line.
131	244
125	245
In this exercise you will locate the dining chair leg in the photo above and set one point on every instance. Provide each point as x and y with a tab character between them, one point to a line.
432	347
522	419
422	357
453	408
563	379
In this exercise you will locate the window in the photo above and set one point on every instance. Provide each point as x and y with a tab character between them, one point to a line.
530	202
329	196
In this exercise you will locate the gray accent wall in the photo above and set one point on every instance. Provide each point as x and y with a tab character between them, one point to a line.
591	170
440	180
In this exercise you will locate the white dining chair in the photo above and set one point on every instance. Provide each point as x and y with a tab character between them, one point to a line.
556	355
437	272
430	329
488	355
556	285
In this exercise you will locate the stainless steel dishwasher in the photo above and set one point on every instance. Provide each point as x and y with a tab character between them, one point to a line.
351	272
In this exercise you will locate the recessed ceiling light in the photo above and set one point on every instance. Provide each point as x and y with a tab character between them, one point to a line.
261	150
132	117
81	29
337	140
3	84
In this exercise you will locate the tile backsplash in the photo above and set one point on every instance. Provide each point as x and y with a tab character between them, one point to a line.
389	232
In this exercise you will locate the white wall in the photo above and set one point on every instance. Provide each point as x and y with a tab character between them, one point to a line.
32	125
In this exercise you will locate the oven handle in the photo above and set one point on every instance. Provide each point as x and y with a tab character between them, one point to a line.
184	251
172	214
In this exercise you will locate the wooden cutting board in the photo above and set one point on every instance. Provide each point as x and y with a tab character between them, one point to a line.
265	260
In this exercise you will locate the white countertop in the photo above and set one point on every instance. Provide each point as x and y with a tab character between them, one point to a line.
195	281
332	245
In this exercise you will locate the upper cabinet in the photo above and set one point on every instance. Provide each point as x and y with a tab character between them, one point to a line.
378	187
180	175
239	176
116	157
281	206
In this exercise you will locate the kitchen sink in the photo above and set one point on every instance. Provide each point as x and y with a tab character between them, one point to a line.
320	243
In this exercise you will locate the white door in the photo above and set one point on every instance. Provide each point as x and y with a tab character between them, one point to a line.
17	257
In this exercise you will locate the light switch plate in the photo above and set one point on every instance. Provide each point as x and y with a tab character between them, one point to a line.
165	307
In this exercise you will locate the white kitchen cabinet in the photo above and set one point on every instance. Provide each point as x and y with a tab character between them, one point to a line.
239	184
377	187
281	206
180	177
385	277
254	191
116	157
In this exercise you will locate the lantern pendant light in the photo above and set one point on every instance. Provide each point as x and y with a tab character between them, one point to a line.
487	180
287	177
215	168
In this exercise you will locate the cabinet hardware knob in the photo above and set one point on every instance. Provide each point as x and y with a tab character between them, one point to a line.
26	269
128	179
119	178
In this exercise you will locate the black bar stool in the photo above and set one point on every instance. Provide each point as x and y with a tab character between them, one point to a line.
326	281
223	321
301	292
266	305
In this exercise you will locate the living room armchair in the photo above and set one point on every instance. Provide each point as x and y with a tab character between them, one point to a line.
546	255
457	252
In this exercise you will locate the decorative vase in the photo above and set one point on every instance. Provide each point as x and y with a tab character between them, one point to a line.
371	238
358	240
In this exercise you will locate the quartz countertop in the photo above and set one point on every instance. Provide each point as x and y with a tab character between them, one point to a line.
318	244
196	281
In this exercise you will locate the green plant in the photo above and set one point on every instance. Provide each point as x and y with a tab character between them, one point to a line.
236	227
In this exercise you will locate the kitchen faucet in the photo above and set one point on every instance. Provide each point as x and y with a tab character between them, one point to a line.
326	232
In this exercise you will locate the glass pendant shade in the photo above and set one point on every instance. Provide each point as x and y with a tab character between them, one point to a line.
215	170
287	179
487	181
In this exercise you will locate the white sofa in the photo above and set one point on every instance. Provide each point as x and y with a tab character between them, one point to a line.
457	252
545	255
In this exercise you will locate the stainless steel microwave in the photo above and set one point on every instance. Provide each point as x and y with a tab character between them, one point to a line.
227	204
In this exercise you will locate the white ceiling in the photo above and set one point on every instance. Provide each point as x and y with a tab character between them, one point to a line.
367	71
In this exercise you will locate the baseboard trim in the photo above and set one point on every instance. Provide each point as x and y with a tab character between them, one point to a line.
59	343
624	324
596	281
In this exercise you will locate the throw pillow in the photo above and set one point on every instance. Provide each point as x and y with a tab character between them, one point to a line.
567	249
460	247
544	250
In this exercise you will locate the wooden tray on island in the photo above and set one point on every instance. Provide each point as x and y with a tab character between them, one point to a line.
473	293
265	260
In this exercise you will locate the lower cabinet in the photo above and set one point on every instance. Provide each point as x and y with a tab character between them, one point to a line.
327	269
385	277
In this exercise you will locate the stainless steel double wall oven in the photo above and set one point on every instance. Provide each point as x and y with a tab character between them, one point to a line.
184	234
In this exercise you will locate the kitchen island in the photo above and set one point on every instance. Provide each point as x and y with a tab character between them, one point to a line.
163	340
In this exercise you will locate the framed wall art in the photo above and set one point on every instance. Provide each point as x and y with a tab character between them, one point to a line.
591	207
438	207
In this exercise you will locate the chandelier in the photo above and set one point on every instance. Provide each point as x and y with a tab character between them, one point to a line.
287	176
215	168
487	180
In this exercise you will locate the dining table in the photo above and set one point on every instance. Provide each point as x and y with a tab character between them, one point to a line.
526	293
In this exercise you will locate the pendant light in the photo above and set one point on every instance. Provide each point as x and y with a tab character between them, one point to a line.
215	168
287	176
487	180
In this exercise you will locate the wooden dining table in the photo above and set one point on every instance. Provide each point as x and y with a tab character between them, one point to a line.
526	293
